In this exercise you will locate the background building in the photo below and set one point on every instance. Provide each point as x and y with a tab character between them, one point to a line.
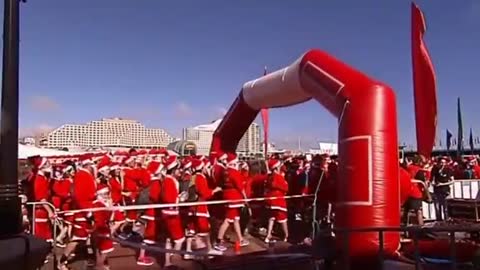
202	136
108	132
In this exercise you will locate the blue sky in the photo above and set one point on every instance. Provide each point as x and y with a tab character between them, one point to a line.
172	64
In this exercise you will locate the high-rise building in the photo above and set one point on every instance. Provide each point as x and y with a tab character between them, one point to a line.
202	137
108	132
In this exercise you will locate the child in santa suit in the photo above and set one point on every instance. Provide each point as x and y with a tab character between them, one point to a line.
171	215
101	230
276	187
200	224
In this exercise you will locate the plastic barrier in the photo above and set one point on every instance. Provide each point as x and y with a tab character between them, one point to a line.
461	189
34	204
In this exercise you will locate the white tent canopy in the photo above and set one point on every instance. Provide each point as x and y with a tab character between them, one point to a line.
26	151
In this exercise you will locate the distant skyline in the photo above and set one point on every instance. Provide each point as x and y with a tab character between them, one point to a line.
177	64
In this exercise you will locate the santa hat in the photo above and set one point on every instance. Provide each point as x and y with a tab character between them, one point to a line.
224	156
274	164
102	189
103	166
171	162
130	158
232	159
155	169
197	164
41	163
206	162
86	160
114	166
187	163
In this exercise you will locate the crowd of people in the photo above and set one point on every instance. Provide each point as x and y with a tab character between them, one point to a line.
96	181
157	178
430	181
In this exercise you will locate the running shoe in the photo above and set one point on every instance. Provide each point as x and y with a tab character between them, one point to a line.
145	261
220	247
244	243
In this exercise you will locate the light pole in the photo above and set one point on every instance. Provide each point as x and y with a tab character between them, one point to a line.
10	207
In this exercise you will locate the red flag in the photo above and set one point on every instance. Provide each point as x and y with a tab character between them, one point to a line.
264	113
424	86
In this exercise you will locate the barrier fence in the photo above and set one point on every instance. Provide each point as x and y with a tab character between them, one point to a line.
466	189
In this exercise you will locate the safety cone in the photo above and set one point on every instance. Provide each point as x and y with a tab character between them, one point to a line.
237	247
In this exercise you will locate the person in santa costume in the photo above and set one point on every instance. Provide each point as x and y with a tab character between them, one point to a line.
128	178
233	191
84	194
171	215
101	229
200	224
41	194
68	217
61	199
152	215
117	198
276	187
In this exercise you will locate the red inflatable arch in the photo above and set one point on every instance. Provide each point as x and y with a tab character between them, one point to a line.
368	185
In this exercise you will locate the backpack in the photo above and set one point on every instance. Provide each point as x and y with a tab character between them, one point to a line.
192	190
144	197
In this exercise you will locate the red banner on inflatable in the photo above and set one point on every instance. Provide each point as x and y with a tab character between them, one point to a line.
264	113
424	86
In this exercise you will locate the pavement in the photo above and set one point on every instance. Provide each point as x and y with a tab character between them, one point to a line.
123	258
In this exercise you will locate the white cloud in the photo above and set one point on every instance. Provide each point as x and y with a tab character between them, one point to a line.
35	131
43	104
221	111
182	109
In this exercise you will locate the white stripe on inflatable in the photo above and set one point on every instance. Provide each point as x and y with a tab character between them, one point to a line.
167	205
277	89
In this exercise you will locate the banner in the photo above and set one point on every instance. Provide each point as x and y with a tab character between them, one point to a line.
424	86
264	113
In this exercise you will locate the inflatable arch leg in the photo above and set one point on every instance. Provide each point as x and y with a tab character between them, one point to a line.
368	185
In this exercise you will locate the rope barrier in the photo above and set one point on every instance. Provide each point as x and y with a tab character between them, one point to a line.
182	204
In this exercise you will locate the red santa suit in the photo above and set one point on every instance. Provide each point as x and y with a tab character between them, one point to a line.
171	215
277	186
217	178
233	190
41	193
102	219
200	212
130	185
84	194
61	197
153	216
117	199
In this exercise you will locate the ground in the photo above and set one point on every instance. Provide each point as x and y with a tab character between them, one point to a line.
123	258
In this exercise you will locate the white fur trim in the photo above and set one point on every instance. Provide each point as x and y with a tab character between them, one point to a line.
148	217
106	251
41	220
172	165
149	242
103	191
179	240
278	208
236	205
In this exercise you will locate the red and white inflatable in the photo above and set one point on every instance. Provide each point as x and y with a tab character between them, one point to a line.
368	185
